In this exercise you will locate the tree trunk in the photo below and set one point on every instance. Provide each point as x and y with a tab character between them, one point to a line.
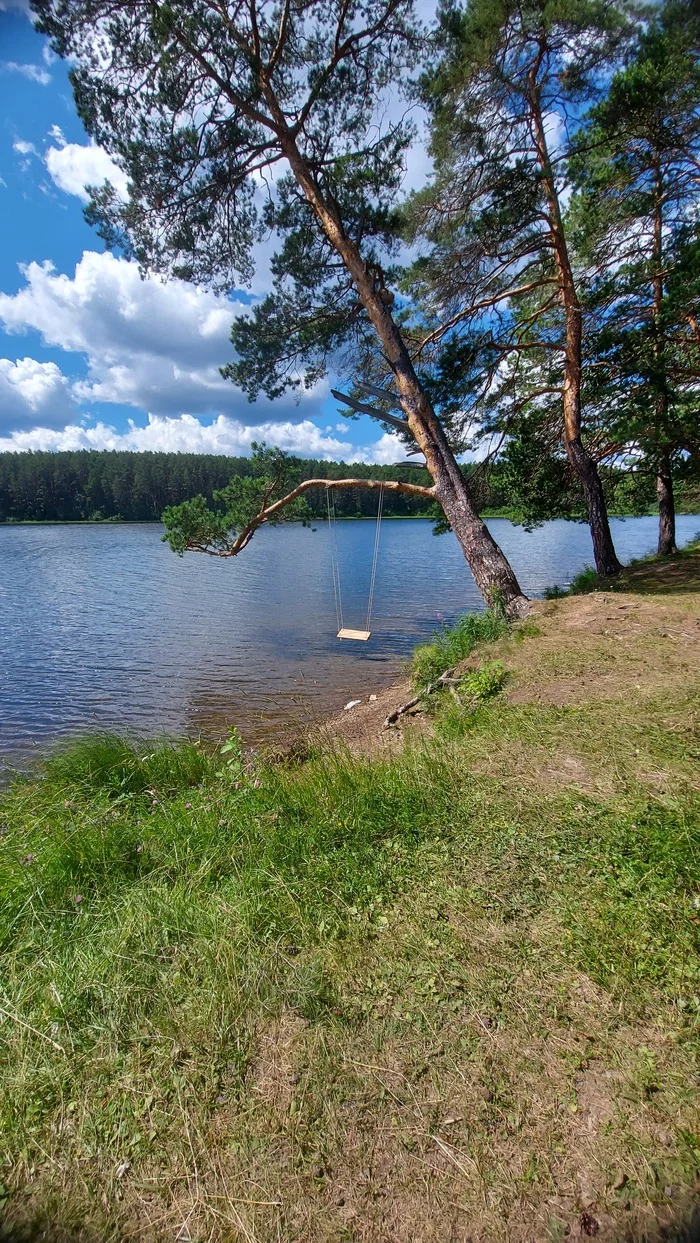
492	571
606	561
664	481
667	508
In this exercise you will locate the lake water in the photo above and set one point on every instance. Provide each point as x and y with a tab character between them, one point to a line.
102	626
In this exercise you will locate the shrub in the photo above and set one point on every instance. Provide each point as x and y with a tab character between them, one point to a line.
455	643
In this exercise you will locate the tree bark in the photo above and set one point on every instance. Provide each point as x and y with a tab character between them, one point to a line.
492	572
667	508
664	481
606	560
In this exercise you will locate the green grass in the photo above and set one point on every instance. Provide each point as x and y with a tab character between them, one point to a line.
430	923
454	643
148	925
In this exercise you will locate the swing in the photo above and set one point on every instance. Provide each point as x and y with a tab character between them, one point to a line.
346	632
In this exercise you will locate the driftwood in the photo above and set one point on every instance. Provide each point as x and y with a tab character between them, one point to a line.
445	679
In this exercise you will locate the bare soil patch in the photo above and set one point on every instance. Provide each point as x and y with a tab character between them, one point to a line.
620	646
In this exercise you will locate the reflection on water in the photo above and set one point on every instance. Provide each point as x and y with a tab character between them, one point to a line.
103	626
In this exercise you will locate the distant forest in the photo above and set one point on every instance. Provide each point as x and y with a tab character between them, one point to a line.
87	485
90	485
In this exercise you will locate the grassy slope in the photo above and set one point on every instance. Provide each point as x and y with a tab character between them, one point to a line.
448	995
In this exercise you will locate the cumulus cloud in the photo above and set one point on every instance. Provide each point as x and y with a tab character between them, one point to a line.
72	167
389	448
31	391
149	344
184	434
35	73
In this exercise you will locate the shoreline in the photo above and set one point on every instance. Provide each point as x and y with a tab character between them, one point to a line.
374	942
321	520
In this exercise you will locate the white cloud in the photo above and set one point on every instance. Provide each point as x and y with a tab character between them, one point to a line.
342	427
21	6
24	148
149	344
73	167
34	72
389	448
184	434
31	391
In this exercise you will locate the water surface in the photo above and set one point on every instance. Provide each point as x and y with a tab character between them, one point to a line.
102	626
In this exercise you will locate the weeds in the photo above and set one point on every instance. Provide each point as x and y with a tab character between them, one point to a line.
586	580
454	643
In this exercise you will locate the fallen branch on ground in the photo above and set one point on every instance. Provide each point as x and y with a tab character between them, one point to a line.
444	680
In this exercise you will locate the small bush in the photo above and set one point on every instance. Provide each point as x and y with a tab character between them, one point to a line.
483	683
455	643
586	580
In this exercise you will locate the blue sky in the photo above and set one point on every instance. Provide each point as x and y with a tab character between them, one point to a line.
90	355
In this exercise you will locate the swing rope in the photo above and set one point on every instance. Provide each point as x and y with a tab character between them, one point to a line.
373	576
335	563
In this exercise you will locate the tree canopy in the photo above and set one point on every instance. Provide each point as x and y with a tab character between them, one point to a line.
550	310
233	118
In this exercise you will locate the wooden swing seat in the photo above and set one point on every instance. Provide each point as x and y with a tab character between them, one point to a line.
346	633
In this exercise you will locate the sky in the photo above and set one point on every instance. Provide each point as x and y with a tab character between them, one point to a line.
91	355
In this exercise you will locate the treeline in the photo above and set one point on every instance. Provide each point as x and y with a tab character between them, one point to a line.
87	485
113	486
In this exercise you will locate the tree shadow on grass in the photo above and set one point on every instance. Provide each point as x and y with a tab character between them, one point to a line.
658	576
684	1228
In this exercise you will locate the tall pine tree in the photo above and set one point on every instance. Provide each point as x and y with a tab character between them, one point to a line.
498	283
636	216
232	117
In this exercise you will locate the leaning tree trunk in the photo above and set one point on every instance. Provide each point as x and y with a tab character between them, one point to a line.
667	507
581	461
491	569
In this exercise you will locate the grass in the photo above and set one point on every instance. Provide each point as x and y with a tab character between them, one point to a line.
359	998
589	580
454	643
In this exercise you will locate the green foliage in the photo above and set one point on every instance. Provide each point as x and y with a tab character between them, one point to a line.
84	485
483	683
116	767
455	643
487	287
633	217
181	108
194	525
586	580
457	713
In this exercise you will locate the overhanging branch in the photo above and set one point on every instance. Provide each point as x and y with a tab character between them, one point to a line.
269	511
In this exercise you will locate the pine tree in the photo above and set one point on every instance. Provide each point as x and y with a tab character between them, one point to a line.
498	284
232	118
636	216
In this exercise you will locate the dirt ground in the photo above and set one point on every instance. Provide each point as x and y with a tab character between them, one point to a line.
617	644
